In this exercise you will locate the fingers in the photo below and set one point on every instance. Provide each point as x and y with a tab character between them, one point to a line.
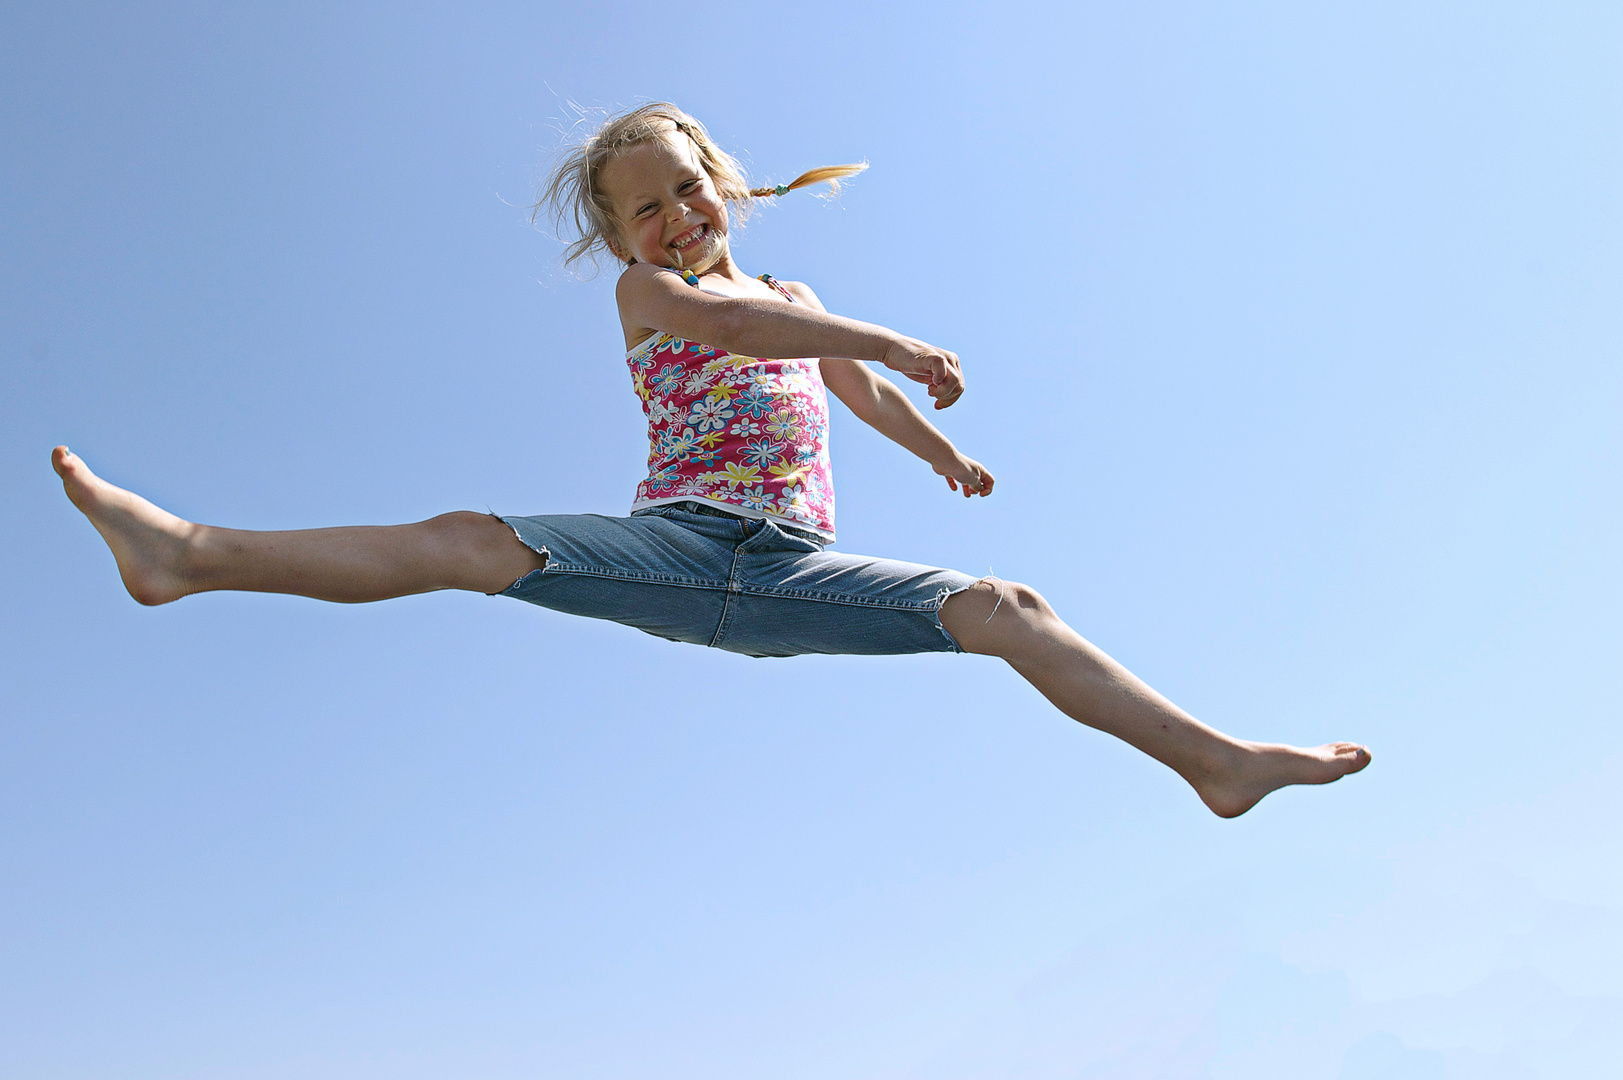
978	482
949	387
936	368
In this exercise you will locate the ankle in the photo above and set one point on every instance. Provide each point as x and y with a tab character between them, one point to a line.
1216	760
195	553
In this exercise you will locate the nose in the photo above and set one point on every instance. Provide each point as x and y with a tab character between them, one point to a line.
678	211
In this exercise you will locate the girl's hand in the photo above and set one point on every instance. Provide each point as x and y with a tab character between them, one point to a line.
970	477
924	363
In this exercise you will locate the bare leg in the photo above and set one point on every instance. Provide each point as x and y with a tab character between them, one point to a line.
162	557
1230	775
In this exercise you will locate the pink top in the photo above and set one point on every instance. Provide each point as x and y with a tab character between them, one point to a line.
745	434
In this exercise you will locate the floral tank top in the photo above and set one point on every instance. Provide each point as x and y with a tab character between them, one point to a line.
741	433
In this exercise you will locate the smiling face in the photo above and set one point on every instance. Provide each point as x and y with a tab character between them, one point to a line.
666	206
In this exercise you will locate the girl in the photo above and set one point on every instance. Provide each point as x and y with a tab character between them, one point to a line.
726	542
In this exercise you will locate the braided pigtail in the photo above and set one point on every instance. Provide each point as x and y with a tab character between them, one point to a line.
832	174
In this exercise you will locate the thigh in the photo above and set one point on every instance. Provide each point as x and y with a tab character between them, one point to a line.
662	578
791	598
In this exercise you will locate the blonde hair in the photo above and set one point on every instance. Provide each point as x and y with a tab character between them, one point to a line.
577	205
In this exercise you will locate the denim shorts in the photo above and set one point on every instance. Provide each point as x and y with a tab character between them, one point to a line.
687	572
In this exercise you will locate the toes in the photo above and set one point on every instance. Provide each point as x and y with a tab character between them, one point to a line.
1355	755
67	463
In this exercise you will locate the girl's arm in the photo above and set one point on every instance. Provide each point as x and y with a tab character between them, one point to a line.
878	403
655	300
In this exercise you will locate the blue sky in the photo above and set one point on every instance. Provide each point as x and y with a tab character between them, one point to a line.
1292	336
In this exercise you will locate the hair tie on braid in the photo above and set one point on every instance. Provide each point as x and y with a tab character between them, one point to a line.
830	175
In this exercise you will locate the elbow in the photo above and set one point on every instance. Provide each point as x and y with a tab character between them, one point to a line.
887	399
869	407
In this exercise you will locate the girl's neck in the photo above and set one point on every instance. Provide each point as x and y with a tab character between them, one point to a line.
722	270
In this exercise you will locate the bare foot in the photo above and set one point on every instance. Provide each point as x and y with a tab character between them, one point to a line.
150	544
1255	769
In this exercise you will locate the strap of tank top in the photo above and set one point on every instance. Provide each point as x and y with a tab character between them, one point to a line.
693	279
772	281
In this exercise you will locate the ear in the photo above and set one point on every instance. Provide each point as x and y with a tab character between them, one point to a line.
616	248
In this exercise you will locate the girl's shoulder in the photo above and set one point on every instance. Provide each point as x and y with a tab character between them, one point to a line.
802	293
646	295
642	277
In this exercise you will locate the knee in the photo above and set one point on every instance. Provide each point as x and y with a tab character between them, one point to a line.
461	526
470	533
1025	605
477	552
992	614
